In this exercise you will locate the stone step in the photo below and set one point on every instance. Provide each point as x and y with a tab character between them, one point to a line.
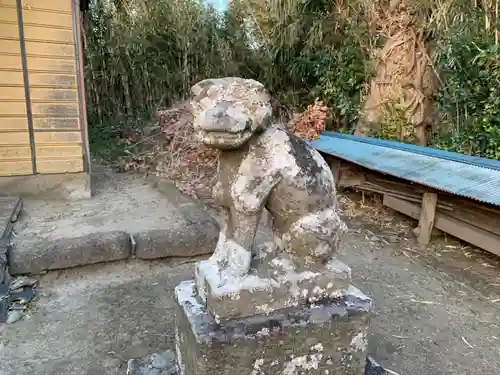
130	219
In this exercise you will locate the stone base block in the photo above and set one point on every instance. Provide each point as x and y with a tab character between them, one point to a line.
165	363
324	339
272	284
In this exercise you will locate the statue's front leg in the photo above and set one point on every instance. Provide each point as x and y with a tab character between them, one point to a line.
220	252
239	246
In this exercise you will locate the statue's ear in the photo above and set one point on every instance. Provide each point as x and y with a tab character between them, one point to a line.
201	87
264	117
192	106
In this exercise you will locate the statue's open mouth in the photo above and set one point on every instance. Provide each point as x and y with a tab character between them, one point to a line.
224	138
226	135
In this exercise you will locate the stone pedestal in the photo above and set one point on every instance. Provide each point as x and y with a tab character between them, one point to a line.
273	283
324	337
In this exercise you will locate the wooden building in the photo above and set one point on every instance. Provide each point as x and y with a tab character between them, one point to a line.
43	127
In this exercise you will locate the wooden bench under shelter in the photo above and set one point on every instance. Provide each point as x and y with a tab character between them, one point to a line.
457	194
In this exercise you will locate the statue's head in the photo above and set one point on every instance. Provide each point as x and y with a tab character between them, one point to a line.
228	111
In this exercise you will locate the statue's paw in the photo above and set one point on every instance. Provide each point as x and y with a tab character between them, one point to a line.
221	252
219	255
239	264
238	261
221	242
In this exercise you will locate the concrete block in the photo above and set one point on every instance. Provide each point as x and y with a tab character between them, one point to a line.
65	186
32	255
191	240
328	338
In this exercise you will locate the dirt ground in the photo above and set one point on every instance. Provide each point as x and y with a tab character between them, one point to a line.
435	309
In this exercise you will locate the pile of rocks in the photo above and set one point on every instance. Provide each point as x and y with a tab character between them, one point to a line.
15	296
12	293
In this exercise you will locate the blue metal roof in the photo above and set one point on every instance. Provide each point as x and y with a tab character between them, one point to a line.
448	155
463	175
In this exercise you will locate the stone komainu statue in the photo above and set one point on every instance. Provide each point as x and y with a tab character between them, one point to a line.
264	166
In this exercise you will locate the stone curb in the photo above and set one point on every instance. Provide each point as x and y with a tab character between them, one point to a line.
32	256
198	235
35	256
191	240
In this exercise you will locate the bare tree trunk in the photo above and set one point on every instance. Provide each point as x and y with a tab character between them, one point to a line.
495	21
487	15
399	101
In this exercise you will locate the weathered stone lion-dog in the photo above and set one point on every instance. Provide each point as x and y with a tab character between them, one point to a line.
262	165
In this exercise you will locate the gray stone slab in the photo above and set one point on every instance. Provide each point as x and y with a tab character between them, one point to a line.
191	240
32	256
319	339
272	284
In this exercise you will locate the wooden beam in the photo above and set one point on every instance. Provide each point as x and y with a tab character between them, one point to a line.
335	164
469	233
474	214
427	214
350	175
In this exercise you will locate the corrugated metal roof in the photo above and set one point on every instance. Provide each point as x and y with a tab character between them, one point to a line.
440	170
448	155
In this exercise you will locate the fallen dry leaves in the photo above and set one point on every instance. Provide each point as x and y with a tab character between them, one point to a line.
172	151
311	123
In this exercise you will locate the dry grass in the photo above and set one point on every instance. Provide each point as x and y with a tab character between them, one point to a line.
370	210
170	149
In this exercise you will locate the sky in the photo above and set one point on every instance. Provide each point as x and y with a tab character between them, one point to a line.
218	4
